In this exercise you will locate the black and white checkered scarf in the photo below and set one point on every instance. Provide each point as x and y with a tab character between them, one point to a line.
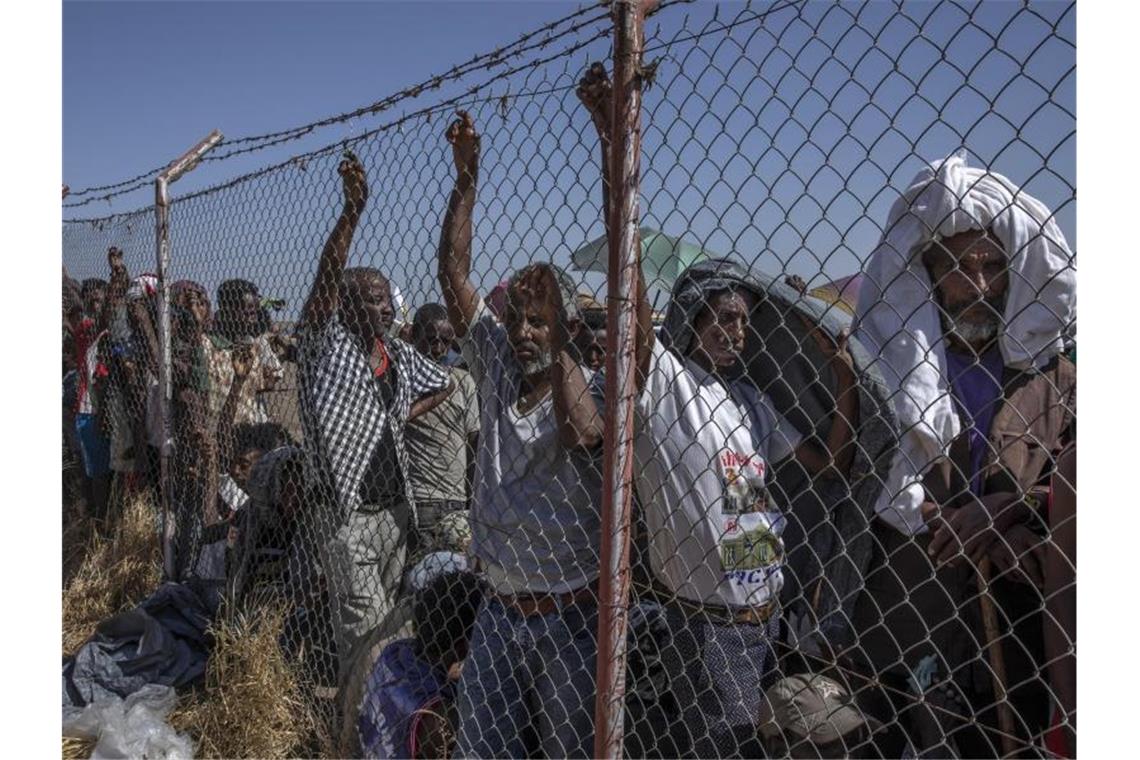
343	415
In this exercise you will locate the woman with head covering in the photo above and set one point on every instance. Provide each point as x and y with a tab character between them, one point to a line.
195	299
706	440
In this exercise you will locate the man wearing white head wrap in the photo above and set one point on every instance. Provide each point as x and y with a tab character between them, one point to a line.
970	299
898	315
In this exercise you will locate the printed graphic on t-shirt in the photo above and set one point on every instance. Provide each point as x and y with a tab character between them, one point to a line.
750	548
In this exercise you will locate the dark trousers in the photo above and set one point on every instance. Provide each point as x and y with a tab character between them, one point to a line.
920	634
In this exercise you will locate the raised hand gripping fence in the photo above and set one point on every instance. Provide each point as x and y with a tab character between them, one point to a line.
836	417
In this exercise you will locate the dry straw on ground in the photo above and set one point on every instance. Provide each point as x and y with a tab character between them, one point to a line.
252	704
105	575
77	749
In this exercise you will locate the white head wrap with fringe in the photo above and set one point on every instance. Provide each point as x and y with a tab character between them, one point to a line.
898	317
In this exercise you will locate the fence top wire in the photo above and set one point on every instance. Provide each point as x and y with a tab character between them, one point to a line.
446	106
471	96
482	62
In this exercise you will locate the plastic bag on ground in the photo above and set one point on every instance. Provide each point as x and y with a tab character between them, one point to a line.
132	728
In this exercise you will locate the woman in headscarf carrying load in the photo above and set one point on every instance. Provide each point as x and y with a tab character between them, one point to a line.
707	440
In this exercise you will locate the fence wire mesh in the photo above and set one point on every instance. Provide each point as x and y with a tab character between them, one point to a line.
854	427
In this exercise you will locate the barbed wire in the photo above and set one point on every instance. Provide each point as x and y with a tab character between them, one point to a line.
466	97
484	61
725	27
441	107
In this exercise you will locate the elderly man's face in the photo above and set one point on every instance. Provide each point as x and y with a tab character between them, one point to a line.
533	313
530	324
970	275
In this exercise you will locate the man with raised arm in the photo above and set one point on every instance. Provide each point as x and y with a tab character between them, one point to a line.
706	440
89	329
535	513
358	388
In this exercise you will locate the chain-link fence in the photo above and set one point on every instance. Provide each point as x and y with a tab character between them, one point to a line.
852	424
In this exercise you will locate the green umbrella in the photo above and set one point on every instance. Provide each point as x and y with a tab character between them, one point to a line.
663	258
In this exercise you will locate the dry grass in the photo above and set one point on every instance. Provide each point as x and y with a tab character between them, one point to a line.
105	575
77	749
253	704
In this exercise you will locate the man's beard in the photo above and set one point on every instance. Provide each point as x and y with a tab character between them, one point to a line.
540	363
972	332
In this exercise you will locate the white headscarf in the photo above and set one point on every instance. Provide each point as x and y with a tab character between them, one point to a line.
898	317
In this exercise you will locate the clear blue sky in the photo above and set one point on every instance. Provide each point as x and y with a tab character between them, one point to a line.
142	81
782	141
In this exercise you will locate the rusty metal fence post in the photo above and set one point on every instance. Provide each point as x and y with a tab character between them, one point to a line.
622	281
185	163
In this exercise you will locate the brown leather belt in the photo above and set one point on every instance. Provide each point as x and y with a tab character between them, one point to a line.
531	605
723	615
738	615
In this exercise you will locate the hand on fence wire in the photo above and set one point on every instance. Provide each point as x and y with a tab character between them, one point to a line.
351	172
454	258
465	142
325	295
596	93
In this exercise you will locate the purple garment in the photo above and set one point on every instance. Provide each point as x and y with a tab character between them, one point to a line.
401	683
976	386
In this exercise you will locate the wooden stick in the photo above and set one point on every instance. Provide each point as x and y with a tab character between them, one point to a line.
997	658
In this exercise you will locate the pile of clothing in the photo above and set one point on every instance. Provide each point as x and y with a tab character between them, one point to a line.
161	641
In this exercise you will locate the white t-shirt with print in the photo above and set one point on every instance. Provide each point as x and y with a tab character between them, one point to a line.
703	451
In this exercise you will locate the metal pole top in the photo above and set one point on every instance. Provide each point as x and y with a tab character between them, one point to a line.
190	158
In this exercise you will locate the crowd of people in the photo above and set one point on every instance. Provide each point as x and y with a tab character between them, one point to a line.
446	487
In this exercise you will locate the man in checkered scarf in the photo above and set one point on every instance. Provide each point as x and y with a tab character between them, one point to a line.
358	388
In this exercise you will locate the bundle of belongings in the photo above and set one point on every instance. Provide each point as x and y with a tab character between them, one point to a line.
161	641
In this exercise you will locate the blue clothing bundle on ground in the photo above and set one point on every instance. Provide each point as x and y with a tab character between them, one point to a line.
161	641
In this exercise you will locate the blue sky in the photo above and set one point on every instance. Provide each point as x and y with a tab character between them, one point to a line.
782	140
